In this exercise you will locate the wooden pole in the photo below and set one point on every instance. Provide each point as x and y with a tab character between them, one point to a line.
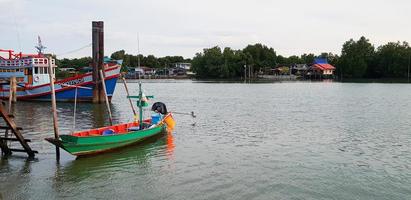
106	98
54	106
98	56
12	91
131	103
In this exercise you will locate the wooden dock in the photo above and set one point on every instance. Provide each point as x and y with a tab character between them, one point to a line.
15	130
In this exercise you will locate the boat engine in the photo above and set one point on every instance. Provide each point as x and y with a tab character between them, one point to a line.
159	107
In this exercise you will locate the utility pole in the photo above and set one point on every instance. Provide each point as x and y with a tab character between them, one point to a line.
249	72
245	73
409	58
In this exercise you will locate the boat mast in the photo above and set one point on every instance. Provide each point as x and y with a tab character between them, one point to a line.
138	50
40	46
140	106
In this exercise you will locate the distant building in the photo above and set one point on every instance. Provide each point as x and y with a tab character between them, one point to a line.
177	71
142	70
186	66
299	69
68	69
139	72
281	70
86	69
321	69
147	70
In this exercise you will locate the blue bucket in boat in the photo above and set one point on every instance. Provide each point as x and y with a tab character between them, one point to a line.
108	132
155	118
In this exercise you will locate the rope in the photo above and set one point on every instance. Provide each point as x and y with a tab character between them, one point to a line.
75	50
191	114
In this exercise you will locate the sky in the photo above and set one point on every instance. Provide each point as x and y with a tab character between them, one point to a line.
186	27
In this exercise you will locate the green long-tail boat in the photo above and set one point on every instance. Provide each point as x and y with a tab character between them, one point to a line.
107	138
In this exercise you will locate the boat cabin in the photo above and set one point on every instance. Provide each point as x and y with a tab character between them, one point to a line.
31	70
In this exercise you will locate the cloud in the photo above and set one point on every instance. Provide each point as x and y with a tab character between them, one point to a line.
185	27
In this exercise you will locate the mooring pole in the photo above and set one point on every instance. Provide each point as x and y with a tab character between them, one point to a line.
54	106
106	97
12	92
98	56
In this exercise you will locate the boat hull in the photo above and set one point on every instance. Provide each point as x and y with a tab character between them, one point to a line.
81	146
66	89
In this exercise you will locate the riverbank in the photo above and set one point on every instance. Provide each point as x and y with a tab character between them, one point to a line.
273	79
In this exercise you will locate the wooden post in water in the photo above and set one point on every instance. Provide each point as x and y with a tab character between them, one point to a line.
106	97
12	92
54	106
98	56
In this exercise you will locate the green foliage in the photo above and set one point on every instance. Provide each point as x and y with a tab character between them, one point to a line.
214	63
307	58
63	74
76	63
260	56
148	61
358	59
391	60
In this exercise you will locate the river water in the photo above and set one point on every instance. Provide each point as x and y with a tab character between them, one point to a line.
291	140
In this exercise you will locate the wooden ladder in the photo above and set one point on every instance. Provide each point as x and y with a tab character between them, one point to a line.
11	125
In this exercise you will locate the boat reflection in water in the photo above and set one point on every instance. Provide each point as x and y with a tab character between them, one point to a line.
129	160
170	145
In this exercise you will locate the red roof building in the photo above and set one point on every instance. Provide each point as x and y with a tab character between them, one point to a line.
326	69
321	65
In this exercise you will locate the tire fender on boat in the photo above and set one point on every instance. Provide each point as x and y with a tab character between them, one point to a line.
36	78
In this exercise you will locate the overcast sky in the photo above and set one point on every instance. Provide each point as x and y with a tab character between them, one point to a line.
185	27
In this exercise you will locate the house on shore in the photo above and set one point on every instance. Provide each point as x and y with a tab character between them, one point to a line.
140	72
178	71
186	66
299	69
320	69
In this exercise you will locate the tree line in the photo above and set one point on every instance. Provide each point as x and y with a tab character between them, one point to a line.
358	59
129	60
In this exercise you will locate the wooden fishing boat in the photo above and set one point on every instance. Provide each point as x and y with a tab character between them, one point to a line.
33	81
107	138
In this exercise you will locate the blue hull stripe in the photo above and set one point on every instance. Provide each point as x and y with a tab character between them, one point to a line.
82	94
